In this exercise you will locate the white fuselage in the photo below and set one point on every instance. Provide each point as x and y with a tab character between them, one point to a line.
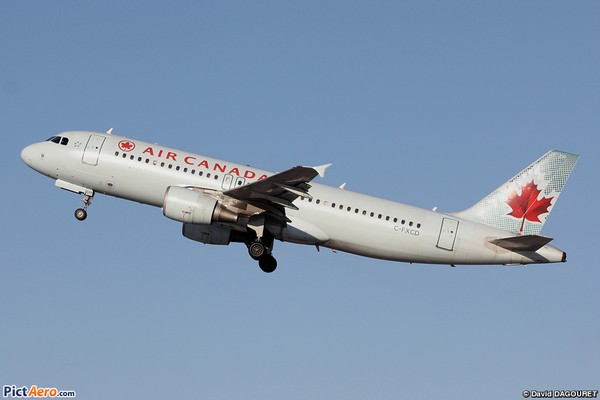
337	218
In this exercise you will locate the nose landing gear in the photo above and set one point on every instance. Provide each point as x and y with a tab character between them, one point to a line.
81	213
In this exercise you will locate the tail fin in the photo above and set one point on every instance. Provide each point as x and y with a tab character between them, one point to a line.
523	204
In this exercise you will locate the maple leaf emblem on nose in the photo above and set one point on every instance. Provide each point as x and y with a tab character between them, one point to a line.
526	205
126	145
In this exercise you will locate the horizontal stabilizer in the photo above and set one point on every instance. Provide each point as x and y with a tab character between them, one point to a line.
522	243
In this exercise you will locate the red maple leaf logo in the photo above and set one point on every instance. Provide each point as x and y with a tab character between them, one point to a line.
526	205
126	145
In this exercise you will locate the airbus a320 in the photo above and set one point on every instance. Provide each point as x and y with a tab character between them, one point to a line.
220	202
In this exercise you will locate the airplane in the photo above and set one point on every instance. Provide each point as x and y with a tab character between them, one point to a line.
219	202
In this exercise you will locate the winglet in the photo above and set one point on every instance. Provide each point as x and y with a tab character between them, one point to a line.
321	169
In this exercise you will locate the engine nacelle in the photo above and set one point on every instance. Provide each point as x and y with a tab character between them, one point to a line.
209	234
192	207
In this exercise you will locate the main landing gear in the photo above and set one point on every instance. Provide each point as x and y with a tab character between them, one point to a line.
261	253
260	248
81	213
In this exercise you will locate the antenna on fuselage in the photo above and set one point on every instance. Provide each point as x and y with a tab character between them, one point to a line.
109	131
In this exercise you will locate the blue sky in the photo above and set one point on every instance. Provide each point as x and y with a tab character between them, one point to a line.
429	103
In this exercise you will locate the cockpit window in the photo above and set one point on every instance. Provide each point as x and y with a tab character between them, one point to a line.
58	140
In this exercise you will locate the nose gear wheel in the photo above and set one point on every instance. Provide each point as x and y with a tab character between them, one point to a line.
81	213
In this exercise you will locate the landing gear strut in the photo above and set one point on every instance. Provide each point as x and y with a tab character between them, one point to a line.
81	213
260	248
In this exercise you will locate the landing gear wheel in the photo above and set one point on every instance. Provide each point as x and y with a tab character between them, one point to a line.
268	263
80	214
257	250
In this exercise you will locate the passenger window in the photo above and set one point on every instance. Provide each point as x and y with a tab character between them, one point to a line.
185	170
364	212
116	153
147	161
379	216
64	141
325	203
193	171
356	210
418	225
410	223
216	176
139	158
200	173
372	214
387	218
154	162
403	221
162	164
349	209
341	207
131	158
332	205
177	168
395	220
310	200
170	166
208	175
124	155
318	201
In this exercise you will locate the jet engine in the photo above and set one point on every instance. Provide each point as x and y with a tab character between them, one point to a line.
192	207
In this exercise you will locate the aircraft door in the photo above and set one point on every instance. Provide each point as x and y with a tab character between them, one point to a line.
447	234
92	149
227	181
230	181
239	181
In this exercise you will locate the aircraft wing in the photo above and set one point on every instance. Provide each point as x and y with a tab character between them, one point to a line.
278	191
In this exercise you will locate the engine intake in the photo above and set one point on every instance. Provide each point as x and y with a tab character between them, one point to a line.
192	207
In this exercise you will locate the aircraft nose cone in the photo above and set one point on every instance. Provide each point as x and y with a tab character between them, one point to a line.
27	154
